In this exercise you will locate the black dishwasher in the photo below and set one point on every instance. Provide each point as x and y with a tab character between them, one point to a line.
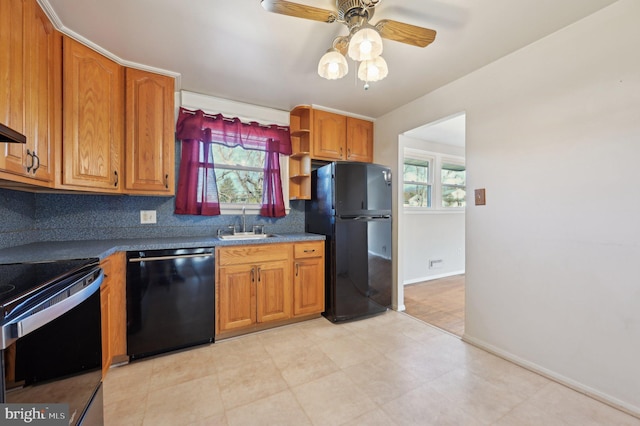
170	300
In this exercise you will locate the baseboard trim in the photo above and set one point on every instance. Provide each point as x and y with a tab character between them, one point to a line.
551	375
433	277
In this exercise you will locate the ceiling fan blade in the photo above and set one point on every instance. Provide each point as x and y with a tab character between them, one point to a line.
405	33
299	10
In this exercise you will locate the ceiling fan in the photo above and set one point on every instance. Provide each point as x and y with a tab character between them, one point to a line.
363	43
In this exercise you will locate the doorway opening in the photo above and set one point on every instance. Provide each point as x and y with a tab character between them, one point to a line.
432	236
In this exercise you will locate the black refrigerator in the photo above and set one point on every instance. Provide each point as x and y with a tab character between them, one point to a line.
351	205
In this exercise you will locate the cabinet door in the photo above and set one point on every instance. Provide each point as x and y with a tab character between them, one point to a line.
12	77
105	314
93	111
42	101
329	136
273	283
149	146
30	63
115	274
308	286
236	298
359	140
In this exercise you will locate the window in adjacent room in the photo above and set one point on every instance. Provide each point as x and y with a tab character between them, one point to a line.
417	176
433	182
453	180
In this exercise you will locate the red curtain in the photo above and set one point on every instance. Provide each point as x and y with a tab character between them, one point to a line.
198	131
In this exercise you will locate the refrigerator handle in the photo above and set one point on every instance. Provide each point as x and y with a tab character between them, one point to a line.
387	176
386	216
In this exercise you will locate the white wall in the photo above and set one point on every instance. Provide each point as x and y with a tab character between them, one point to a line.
553	134
431	235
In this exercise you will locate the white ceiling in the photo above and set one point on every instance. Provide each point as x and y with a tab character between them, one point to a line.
448	131
236	50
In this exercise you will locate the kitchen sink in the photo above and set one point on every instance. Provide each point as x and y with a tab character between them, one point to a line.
245	236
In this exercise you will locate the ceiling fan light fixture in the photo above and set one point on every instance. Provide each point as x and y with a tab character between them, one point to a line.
333	65
373	70
365	44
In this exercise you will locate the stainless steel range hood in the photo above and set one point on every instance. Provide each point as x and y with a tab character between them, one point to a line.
10	135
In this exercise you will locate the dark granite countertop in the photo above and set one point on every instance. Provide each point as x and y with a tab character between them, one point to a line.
63	250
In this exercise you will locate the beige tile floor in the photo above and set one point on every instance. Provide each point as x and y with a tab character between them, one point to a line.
391	369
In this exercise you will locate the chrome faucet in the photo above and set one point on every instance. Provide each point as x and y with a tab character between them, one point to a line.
244	219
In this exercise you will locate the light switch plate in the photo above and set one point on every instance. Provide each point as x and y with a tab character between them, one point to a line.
479	197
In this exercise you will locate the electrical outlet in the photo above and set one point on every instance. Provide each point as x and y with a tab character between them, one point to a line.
435	263
147	216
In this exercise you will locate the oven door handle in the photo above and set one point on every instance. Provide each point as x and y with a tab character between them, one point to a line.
29	322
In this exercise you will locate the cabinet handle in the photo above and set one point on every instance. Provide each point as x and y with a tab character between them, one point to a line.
340	152
297	268
33	160
258	274
115	172
166	181
309	250
253	275
35	157
348	152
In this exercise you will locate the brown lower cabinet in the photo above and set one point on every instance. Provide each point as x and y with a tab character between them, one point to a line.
308	278
257	286
263	285
113	309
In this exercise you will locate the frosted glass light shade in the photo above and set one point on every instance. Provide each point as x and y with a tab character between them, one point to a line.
333	65
373	70
365	44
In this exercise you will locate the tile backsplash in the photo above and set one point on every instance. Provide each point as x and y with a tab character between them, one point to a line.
28	218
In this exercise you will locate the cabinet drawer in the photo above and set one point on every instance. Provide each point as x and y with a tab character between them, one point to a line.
302	250
239	255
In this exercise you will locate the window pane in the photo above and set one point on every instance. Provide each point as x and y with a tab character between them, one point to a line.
239	186
416	171
239	174
453	196
454	174
237	156
417	195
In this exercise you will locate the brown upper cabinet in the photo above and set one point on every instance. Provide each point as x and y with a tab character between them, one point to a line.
340	138
149	146
300	158
30	56
69	102
329	136
118	126
359	140
93	117
325	136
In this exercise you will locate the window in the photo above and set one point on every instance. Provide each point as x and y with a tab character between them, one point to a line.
239	174
224	160
417	182
453	179
432	181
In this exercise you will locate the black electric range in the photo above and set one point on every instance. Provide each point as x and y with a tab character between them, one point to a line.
22	281
50	337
